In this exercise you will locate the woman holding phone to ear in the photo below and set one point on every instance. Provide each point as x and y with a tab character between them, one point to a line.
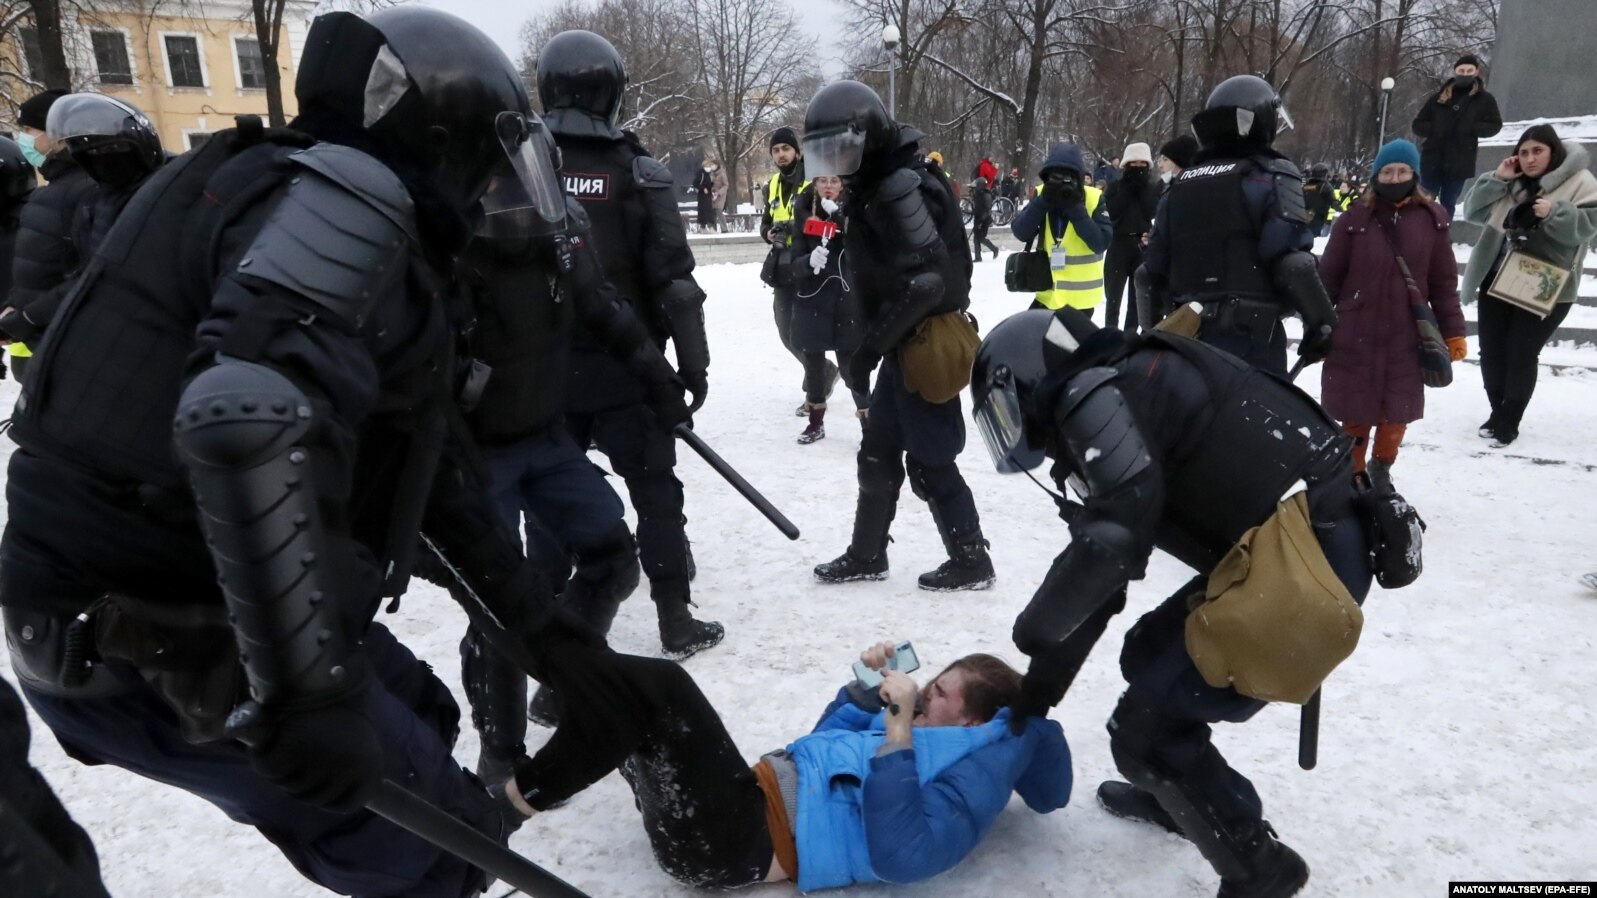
895	784
1541	200
825	312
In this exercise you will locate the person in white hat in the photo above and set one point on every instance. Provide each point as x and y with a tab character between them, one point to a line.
1133	198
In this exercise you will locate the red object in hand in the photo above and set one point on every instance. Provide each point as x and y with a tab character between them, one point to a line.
814	227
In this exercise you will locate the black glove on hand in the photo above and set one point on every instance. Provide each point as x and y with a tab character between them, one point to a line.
1316	345
329	756
665	398
698	383
860	366
1039	692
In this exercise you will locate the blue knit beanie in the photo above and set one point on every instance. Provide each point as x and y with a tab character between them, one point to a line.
1397	151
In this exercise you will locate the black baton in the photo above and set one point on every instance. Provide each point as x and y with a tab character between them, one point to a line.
1309	733
738	483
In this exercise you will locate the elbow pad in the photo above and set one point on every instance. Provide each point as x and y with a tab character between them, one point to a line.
905	216
241	431
1085	578
922	296
682	301
1297	276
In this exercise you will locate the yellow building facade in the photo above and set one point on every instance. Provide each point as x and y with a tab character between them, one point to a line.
191	74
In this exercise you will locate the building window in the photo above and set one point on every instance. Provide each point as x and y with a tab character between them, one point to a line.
251	68
183	61
31	52
197	139
111	57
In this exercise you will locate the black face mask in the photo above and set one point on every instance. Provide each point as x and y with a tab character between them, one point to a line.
1394	193
1463	82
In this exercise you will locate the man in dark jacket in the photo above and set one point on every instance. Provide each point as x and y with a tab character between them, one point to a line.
637	232
1174	445
778	228
1010	187
1133	199
908	259
1233	233
46	254
240	429
1450	126
981	202
528	297
17	181
1319	197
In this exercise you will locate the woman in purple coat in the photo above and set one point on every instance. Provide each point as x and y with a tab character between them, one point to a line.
1372	378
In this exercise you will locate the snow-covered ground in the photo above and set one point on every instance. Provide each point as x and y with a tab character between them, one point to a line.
1459	743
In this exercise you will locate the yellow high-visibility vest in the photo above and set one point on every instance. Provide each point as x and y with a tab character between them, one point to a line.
19	350
781	206
1079	283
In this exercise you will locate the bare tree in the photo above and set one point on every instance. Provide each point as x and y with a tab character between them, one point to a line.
753	63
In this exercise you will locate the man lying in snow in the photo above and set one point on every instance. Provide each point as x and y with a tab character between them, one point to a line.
895	785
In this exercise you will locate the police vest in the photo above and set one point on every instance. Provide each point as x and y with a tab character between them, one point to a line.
780	204
1078	283
598	173
1213	239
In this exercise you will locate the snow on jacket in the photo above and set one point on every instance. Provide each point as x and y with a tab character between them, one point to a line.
1562	236
1450	128
911	814
1373	372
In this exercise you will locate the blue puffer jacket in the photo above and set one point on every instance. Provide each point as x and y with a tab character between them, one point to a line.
910	815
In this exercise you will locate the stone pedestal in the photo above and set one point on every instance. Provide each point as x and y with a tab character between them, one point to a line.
1541	65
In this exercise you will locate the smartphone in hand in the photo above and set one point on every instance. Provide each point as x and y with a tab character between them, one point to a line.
903	660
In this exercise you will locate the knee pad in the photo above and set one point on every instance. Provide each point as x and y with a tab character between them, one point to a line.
932	483
656	496
880	471
611	569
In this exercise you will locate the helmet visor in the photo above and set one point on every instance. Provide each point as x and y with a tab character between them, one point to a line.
524	198
836	153
1283	118
94	115
1002	427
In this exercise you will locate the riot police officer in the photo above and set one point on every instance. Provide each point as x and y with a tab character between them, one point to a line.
643	247
907	257
1233	233
528	295
237	426
1179	446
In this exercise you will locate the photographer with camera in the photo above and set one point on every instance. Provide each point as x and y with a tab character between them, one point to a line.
1072	223
893	784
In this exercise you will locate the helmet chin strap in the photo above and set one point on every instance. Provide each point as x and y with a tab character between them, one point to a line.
1069	509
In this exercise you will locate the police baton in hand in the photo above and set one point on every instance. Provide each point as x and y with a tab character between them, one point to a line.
433	824
1309	720
747	490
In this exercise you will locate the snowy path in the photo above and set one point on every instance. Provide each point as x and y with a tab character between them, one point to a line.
1458	743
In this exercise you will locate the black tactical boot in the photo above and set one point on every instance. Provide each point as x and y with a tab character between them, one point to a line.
1131	803
846	568
1273	869
681	635
969	568
542	709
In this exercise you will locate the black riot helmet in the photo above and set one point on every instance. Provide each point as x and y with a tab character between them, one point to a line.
525	200
1320	172
1011	362
1243	112
436	95
109	138
17	178
581	70
846	129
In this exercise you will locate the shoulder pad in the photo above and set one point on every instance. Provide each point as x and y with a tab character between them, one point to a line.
1283	167
1289	201
651	174
1100	431
329	245
363	176
899	184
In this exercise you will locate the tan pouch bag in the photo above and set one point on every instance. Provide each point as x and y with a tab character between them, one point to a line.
1275	620
936	358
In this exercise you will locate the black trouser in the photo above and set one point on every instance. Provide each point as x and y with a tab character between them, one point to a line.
978	239
819	373
39	842
701	805
906	434
644	455
1125	254
1162	723
782	309
1511	345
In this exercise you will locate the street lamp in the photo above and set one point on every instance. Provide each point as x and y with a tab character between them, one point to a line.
890	37
1387	84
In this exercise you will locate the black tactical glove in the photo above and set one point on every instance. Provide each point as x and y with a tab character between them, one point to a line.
1315	345
330	756
860	366
665	400
1039	692
698	383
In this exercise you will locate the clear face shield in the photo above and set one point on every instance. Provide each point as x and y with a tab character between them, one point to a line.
1003	428
525	198
836	153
